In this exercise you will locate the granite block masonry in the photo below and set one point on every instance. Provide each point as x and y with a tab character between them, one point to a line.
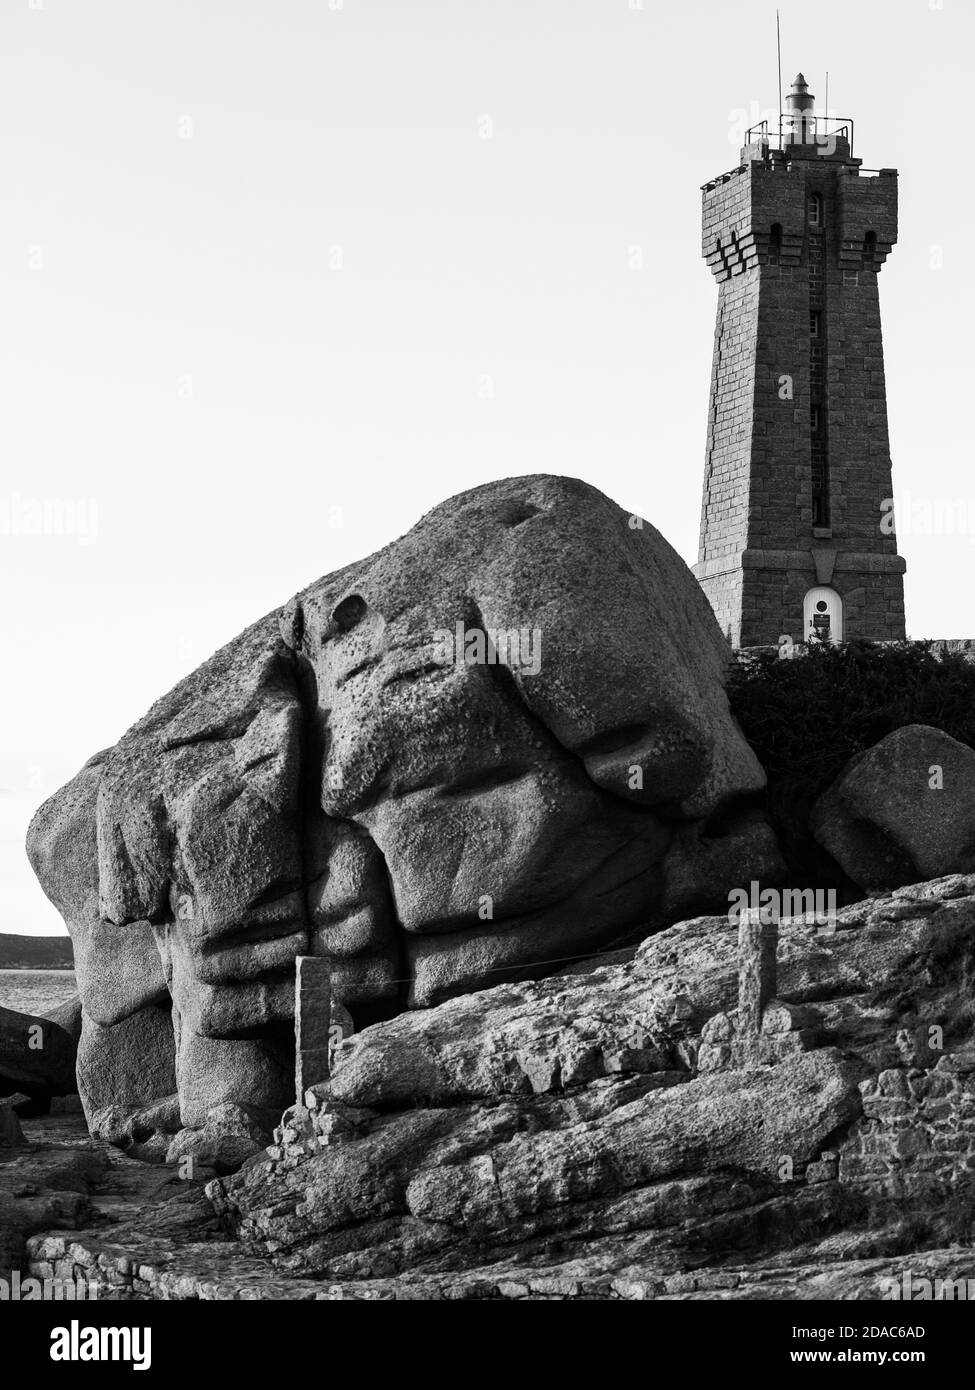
313	1020
757	970
795	540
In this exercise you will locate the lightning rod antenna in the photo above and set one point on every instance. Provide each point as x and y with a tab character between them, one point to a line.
778	44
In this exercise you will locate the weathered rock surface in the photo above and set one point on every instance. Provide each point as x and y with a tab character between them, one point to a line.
647	1014
568	1122
904	810
629	1173
168	1252
68	1017
338	781
125	1069
436	1180
42	1186
230	1135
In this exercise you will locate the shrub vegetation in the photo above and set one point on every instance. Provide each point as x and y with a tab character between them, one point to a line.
805	718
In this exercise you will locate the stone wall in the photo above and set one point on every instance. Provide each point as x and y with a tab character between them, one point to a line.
917	1122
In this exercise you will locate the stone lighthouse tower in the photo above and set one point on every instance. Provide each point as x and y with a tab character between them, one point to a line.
796	538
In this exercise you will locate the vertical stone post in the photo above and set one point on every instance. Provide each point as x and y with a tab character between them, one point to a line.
757	943
11	1134
313	1019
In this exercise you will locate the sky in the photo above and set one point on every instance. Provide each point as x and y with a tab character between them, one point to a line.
278	276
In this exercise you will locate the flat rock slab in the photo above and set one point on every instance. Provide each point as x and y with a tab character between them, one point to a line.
555	1139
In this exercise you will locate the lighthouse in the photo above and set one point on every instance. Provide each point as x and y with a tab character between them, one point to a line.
797	536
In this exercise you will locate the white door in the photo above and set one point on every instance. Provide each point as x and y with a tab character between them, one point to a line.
822	616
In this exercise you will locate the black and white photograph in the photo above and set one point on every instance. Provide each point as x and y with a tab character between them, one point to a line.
487	756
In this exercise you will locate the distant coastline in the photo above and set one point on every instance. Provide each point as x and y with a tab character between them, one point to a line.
35	952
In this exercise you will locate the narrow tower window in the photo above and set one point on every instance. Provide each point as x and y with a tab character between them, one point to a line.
775	243
816	209
815	323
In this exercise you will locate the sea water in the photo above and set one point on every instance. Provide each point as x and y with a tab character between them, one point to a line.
36	991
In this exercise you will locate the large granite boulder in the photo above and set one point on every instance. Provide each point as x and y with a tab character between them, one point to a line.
500	741
37	1056
902	811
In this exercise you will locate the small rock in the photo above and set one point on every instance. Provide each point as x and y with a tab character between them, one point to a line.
718	1029
779	1018
714	1056
886	825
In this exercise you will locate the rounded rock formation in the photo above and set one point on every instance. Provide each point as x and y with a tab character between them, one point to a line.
501	741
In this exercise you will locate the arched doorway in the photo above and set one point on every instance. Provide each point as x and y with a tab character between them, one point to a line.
822	616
